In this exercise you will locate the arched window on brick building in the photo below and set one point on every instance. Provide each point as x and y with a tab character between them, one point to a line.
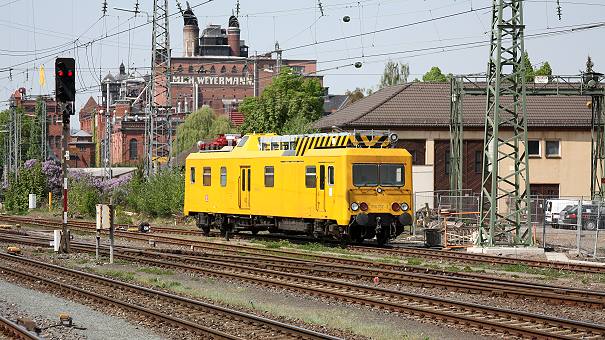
133	149
234	69
212	70
245	71
223	70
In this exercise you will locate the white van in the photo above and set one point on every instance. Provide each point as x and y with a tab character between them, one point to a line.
553	208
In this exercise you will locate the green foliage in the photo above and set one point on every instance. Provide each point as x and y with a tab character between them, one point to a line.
394	74
290	104
529	69
202	124
434	75
160	195
544	70
30	181
83	197
355	95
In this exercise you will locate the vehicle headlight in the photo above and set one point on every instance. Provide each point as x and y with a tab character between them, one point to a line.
354	206
404	206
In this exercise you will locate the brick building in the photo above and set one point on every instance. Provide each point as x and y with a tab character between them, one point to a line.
215	70
80	146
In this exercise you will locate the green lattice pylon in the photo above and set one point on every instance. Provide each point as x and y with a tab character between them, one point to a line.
504	203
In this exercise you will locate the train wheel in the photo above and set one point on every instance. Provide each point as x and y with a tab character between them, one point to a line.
254	232
206	230
382	239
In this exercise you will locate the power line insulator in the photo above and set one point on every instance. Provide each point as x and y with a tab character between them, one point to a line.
358	64
346	18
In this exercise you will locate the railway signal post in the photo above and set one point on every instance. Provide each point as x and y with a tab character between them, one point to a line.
65	92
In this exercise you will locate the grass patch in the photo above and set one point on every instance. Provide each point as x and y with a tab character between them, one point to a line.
272	244
453	269
156	271
546	273
414	261
159	283
388	260
118	275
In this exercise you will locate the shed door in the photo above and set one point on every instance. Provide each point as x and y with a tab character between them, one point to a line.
244	187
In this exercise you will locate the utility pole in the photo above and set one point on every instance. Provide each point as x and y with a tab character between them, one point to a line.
278	52
255	75
501	185
107	171
158	125
44	130
597	185
456	137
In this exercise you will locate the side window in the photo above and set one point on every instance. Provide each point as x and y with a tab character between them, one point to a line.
223	176
330	175
243	179
192	174
269	176
207	178
310	176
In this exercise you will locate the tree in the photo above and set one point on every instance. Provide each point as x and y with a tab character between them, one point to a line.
544	70
529	69
394	74
290	104
434	75
201	124
356	94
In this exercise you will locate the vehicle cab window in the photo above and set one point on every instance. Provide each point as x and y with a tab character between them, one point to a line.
330	175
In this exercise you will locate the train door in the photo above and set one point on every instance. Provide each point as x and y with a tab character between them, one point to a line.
244	187
321	189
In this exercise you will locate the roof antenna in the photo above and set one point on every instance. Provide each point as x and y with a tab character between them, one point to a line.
104	8
237	9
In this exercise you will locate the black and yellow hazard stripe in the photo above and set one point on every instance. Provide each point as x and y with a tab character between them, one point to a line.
369	141
320	142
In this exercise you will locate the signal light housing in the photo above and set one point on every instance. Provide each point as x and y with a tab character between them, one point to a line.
395	206
65	80
363	206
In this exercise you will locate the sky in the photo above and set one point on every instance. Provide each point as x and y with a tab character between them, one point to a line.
451	34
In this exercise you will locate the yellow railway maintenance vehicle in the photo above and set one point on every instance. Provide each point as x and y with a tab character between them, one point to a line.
347	186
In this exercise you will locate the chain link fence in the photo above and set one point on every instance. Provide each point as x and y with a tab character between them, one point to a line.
574	223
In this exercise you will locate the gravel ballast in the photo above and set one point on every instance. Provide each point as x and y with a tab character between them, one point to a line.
43	308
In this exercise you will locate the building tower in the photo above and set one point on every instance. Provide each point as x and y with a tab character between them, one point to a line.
191	33
233	36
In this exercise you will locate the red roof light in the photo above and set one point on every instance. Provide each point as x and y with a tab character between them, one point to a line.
60	73
70	73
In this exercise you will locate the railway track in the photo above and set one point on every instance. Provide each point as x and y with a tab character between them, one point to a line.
12	330
555	295
407	252
194	316
507	322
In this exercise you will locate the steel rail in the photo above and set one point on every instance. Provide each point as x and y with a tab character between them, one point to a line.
284	328
15	331
440	254
555	295
504	321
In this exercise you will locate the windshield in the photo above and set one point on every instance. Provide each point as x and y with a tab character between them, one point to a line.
365	175
378	174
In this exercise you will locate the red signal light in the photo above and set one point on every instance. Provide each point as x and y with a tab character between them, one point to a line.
395	206
70	73
60	73
363	206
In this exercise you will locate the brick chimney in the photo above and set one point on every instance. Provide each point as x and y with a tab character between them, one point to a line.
233	36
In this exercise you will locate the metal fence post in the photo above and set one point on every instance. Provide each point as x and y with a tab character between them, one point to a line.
579	225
